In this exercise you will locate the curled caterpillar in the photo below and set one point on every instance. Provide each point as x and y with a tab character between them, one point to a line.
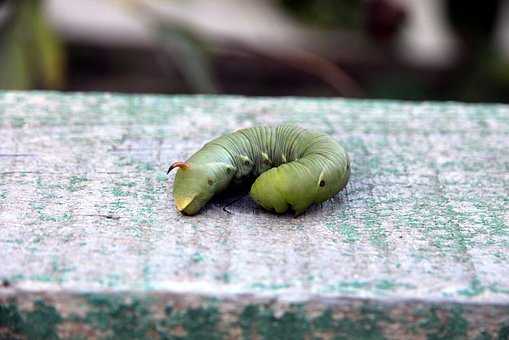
293	167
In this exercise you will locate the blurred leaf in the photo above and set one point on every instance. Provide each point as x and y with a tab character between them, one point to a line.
30	54
485	78
325	13
14	73
498	69
398	85
190	56
14	70
50	57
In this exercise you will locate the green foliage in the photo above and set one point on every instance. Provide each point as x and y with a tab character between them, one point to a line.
31	55
189	54
326	13
445	324
40	323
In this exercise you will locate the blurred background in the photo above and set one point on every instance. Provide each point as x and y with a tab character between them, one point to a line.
396	49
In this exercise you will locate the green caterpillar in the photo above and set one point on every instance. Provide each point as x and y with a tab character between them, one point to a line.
293	167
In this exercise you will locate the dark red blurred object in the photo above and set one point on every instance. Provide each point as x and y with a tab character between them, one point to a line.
383	19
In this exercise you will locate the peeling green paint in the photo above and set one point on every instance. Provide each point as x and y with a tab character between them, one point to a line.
196	323
119	192
197	257
39	323
349	231
269	286
475	288
10	320
257	320
39	208
18	122
118	320
378	286
440	325
503	333
118	205
118	316
366	326
76	183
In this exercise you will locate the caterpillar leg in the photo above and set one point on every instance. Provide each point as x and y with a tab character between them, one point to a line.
267	194
277	190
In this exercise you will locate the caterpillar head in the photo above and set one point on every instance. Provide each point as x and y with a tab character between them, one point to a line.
195	184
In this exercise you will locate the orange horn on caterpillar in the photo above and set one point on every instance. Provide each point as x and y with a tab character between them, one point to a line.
182	165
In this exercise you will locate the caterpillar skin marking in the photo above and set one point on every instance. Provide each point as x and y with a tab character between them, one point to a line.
293	167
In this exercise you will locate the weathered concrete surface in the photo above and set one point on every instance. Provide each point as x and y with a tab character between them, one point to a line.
90	244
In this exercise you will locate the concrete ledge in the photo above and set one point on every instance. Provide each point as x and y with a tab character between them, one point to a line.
90	244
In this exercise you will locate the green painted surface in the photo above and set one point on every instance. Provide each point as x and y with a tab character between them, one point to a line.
418	245
163	316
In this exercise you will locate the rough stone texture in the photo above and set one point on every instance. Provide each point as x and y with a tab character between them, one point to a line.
91	245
